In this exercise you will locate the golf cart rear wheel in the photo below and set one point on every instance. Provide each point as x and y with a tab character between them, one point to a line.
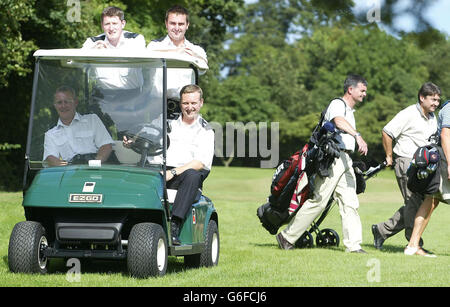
147	251
210	255
327	237
26	248
305	241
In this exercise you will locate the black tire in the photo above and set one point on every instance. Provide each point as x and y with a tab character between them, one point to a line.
327	237
210	255
26	245
305	241
147	251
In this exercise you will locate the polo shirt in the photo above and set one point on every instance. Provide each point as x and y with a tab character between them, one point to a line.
444	117
410	129
85	134
187	143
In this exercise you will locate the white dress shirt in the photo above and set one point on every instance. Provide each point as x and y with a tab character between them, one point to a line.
85	134
167	44
115	77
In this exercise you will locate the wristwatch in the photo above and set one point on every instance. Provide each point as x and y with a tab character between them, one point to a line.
357	134
173	172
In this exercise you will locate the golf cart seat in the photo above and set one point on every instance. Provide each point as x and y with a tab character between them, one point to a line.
172	193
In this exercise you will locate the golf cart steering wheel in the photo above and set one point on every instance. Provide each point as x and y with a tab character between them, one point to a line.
82	158
147	141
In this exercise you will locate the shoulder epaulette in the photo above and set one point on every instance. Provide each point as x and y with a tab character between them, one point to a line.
100	37
130	35
158	40
205	124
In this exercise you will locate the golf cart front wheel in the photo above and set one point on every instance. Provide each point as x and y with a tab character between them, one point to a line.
147	251
26	248
327	237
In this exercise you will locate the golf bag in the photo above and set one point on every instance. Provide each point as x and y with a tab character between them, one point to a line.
292	183
291	186
423	173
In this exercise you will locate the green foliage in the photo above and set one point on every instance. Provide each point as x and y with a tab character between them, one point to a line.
270	60
14	50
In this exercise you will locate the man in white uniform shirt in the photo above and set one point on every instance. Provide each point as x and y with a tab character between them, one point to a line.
74	133
341	182
114	37
189	156
410	129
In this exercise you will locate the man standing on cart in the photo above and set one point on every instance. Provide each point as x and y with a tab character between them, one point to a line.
341	182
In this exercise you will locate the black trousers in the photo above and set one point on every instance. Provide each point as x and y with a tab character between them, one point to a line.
187	185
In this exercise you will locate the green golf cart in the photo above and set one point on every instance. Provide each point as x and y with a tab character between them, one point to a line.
119	209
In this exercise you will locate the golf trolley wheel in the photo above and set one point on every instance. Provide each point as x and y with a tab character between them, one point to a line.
305	241
147	251
327	237
27	244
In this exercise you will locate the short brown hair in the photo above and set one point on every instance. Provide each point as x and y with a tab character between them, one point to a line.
66	89
428	89
112	11
179	10
191	88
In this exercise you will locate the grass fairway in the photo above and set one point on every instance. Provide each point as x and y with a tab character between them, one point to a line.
249	255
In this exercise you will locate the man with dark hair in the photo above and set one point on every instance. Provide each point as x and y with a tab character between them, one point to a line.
177	23
113	22
410	129
341	182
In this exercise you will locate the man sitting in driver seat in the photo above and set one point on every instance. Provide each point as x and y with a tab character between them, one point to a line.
74	133
189	156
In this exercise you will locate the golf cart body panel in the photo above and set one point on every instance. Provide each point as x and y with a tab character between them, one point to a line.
89	208
61	187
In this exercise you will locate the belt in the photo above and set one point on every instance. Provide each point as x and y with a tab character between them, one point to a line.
348	151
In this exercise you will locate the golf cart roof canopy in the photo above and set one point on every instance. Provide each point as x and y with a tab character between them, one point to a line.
173	59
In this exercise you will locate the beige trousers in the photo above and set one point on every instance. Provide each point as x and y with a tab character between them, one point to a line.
341	184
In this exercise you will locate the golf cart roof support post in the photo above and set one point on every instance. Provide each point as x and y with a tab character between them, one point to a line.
166	199
195	72
30	122
86	84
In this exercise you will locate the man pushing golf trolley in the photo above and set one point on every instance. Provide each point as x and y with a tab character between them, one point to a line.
305	186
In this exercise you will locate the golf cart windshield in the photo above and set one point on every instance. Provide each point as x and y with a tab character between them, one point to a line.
111	98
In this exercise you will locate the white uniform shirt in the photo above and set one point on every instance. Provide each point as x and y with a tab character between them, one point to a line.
119	78
167	44
176	77
339	108
85	134
128	40
410	129
190	142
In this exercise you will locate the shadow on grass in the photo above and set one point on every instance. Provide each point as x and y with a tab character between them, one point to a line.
58	266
